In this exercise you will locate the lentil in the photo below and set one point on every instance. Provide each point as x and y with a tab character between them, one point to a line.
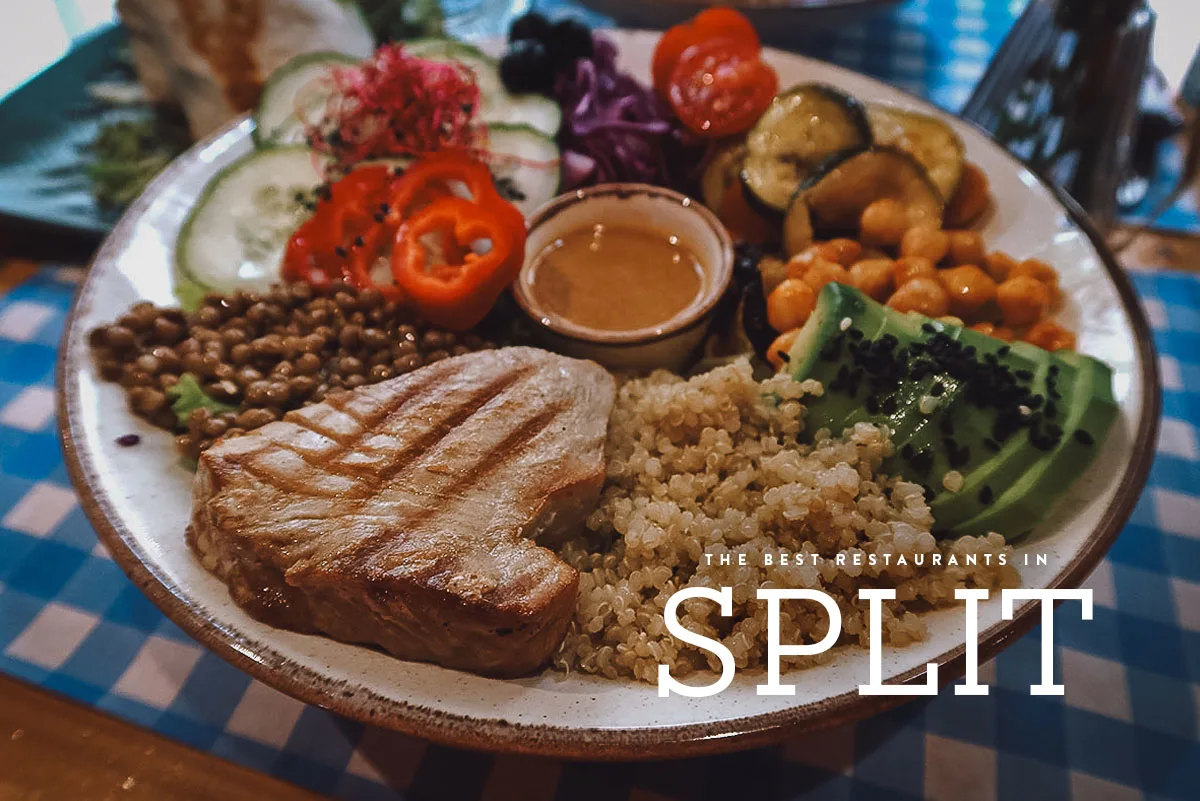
263	353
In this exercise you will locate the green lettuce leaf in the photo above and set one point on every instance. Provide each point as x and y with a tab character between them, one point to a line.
187	396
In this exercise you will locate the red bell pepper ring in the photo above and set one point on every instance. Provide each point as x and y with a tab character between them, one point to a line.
333	243
372	207
458	296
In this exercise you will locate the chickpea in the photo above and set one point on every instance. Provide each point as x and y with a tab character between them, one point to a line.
790	305
777	354
1022	300
970	289
823	272
925	241
798	265
922	295
840	251
873	277
999	265
1036	268
884	222
970	200
910	267
989	329
772	271
966	247
1049	335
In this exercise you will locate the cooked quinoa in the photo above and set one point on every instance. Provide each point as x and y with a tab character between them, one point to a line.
712	465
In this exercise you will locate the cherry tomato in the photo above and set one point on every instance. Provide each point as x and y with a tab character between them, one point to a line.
727	22
721	87
667	53
724	23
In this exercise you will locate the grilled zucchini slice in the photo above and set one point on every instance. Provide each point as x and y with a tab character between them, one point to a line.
801	129
721	173
797	227
927	139
833	202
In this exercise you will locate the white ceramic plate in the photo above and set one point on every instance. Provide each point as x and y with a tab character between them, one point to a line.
138	499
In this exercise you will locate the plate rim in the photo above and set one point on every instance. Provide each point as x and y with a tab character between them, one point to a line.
499	736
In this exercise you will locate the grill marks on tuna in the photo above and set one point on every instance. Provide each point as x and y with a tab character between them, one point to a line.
357	442
402	514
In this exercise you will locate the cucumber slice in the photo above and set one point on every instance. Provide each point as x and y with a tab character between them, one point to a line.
536	111
497	106
801	129
927	139
235	235
296	82
525	165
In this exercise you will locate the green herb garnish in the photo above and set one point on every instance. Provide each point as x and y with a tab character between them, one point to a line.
128	153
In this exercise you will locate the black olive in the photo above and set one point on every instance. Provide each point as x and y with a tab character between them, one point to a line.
569	41
754	318
745	262
530	26
526	67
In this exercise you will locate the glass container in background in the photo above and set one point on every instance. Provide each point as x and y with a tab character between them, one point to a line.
1062	94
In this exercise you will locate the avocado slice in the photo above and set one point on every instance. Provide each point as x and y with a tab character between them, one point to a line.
1088	413
842	317
968	442
1000	463
955	400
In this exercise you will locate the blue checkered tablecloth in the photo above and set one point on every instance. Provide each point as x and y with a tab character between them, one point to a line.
1127	727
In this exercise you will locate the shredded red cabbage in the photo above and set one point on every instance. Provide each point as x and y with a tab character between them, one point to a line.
616	129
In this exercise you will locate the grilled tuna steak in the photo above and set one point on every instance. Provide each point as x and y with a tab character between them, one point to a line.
403	514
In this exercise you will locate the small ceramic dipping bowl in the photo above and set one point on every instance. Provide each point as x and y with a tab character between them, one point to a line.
640	206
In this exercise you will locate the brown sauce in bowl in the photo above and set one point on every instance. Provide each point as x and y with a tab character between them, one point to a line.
616	278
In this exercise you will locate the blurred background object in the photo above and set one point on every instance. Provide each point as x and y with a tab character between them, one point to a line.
82	140
779	22
475	19
211	57
1063	94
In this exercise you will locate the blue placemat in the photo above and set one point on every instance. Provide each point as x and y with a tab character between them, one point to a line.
1126	729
